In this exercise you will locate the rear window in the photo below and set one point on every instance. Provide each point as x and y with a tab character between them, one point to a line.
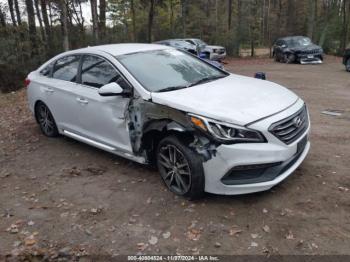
66	68
46	71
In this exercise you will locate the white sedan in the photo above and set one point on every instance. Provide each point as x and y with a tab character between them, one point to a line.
207	130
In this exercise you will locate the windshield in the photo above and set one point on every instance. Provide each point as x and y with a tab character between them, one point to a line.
168	69
200	42
299	41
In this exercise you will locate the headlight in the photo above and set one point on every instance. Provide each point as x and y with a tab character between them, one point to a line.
226	133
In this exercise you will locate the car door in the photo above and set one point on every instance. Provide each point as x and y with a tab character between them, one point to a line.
58	88
103	118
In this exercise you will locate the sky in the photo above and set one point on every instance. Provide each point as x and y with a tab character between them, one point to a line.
86	8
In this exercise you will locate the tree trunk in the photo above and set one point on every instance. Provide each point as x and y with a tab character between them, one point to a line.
12	12
64	21
36	4
344	35
47	27
94	20
133	17
18	13
150	20
2	18
171	18
184	16
311	19
229	15
237	44
32	26
102	19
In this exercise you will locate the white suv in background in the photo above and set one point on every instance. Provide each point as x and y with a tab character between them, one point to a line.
207	130
213	52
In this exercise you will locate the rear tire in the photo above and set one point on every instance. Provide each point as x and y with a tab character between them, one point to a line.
46	121
180	168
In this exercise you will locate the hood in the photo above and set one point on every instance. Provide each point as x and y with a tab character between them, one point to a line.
306	48
214	47
233	99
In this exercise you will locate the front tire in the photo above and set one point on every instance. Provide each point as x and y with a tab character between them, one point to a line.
289	58
45	119
347	65
180	168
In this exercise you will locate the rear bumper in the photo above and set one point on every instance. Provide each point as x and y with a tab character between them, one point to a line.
275	159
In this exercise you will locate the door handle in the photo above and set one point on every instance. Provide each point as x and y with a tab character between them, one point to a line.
48	90
82	100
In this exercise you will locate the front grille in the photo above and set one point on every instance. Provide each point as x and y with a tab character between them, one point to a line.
221	51
291	128
310	52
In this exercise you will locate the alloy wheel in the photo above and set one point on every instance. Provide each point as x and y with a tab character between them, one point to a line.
174	169
46	120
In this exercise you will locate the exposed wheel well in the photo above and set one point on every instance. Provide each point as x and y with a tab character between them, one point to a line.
151	139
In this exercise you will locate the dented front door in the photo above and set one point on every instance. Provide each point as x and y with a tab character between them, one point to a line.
103	118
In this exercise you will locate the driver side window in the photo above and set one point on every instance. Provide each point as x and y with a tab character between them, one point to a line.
96	72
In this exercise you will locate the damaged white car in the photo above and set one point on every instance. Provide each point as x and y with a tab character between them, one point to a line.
205	129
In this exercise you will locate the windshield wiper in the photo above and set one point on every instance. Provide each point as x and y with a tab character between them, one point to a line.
206	79
172	88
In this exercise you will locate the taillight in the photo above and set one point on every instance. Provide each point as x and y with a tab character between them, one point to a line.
26	82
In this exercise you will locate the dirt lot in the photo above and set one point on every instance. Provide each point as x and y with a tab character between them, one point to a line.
62	195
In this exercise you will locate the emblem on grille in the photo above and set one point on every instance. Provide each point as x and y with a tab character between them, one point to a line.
297	121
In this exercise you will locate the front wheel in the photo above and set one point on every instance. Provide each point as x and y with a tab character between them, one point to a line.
347	65
180	168
289	58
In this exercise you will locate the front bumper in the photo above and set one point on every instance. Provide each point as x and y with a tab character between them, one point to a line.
310	59
217	57
282	158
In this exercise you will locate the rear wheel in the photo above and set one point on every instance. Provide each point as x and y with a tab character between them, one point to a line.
46	121
347	65
180	168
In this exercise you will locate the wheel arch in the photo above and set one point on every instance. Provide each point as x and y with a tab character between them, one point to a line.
156	130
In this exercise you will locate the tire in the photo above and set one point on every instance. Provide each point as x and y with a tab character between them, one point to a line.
347	65
46	121
185	177
289	58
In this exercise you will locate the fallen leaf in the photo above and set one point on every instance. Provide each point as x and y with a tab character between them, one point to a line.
266	228
217	244
254	235
290	235
153	240
254	244
166	235
235	231
141	246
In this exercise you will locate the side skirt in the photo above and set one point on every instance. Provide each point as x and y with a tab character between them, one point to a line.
105	147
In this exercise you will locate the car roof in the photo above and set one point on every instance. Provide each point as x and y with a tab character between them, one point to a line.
291	37
123	49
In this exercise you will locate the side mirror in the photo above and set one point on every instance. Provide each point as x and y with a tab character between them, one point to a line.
111	89
283	46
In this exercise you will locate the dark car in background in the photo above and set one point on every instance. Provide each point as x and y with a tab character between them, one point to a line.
298	49
346	59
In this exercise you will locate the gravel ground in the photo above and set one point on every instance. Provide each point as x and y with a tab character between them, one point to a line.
61	197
